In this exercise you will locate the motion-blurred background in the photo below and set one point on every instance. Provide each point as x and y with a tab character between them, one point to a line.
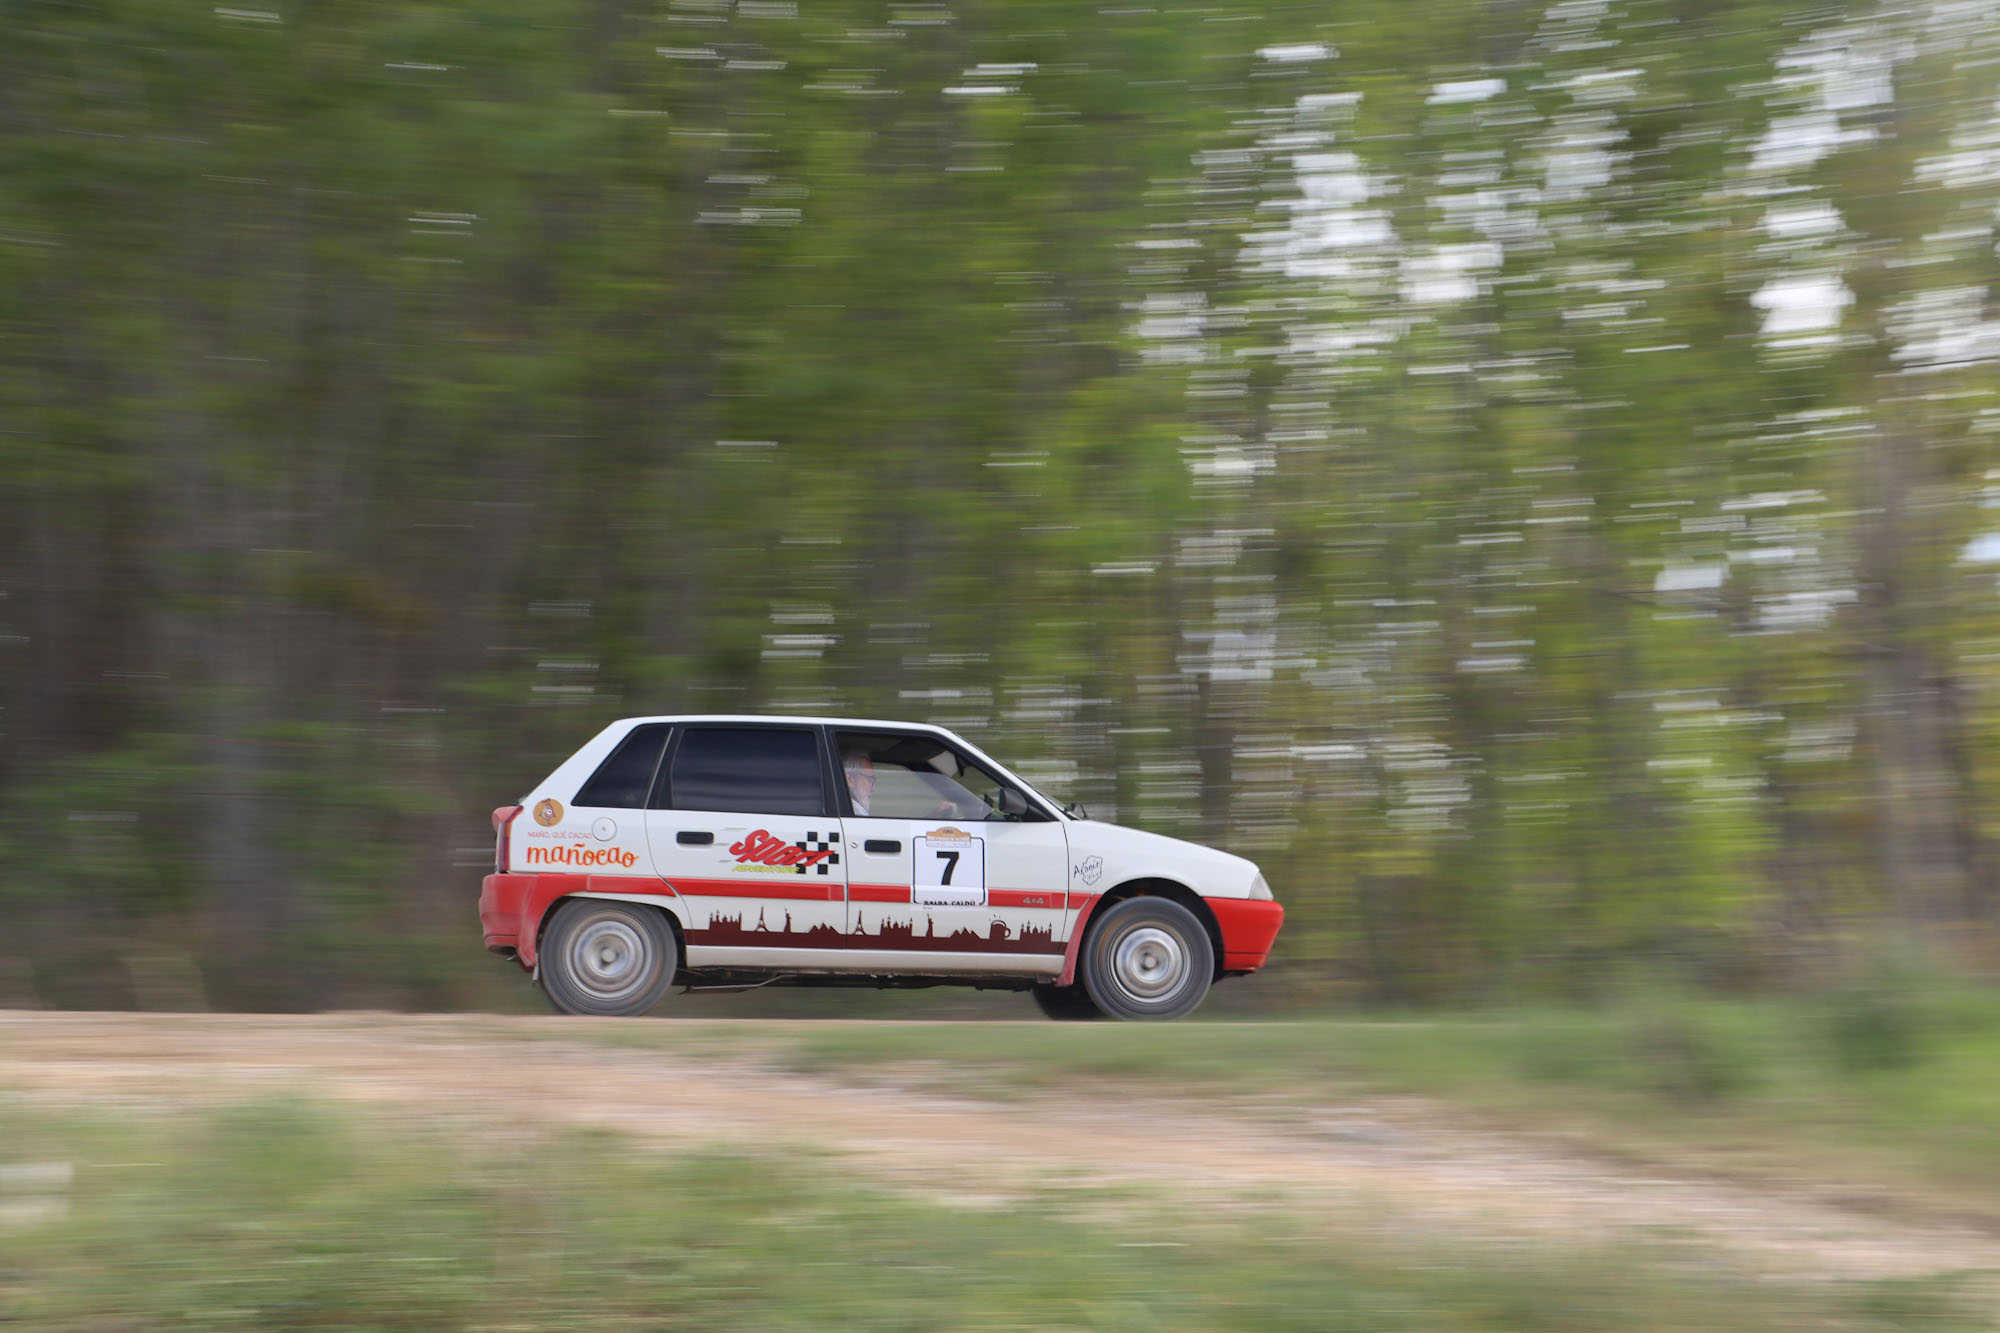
1524	472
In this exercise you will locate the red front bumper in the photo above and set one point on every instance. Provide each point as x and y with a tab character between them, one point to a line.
1248	927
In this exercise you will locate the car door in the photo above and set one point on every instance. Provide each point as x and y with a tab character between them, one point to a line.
740	826
936	868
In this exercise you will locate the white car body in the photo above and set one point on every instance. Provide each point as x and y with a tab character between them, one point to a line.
817	888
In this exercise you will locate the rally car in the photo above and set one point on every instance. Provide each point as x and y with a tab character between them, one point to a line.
739	851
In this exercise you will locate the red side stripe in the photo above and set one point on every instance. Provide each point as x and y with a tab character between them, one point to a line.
878	893
512	905
808	888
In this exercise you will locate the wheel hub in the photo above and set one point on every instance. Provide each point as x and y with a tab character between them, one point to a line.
1149	963
610	958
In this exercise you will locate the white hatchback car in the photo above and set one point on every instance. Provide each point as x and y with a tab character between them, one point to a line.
738	851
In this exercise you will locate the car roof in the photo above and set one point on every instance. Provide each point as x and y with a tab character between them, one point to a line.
856	722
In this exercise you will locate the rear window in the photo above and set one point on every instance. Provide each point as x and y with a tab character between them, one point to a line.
623	780
760	770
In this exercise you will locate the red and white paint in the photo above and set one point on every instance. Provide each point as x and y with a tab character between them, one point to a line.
804	894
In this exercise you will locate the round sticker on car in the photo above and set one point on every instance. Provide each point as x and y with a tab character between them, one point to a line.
548	811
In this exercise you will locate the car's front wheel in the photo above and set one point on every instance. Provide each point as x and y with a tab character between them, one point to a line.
608	959
1147	958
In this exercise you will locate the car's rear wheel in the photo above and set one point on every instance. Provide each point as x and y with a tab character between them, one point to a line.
605	958
1147	958
1066	1003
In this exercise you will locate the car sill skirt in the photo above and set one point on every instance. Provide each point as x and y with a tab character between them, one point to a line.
871	960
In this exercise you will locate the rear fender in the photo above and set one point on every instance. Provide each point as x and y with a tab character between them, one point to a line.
535	910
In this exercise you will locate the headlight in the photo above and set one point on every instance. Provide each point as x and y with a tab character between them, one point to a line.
1260	891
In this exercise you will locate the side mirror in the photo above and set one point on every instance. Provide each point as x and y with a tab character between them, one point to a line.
1012	805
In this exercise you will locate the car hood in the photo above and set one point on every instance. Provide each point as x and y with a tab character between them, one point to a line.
1103	856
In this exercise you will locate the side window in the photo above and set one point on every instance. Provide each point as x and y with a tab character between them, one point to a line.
915	777
763	770
623	780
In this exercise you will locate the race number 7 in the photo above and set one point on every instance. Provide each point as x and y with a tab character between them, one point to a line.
949	872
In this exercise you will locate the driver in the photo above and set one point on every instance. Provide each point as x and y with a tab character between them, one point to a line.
860	770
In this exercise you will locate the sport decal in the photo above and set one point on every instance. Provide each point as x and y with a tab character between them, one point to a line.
950	869
761	853
822	854
548	811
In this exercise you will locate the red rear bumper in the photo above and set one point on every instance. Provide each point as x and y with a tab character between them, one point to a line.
501	898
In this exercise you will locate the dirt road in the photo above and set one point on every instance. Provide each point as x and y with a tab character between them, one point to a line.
1396	1167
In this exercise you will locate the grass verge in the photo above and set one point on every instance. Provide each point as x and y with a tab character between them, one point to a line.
1881	1088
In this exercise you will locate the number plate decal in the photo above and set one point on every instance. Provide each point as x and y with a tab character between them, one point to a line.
950	869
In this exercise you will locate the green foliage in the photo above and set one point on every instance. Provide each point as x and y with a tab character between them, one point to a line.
1400	485
97	828
1872	1028
1689	1060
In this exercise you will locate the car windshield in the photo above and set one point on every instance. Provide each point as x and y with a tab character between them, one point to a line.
916	777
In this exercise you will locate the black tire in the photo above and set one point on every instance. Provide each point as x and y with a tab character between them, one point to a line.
1147	958
1066	1003
607	959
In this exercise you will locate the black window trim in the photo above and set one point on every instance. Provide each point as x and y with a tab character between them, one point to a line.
831	774
662	794
656	797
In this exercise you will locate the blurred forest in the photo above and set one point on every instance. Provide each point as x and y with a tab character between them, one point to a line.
1524	472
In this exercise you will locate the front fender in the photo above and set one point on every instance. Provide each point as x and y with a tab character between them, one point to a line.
1247	926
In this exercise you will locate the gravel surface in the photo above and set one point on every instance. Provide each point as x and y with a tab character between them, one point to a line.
1396	1167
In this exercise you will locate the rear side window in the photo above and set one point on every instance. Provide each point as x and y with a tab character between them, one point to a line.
623	780
762	770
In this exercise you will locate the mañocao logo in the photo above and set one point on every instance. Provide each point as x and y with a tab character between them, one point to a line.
548	811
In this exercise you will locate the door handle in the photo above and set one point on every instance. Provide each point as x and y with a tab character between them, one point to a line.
690	838
882	845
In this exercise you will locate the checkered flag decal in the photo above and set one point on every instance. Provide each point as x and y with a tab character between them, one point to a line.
812	842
